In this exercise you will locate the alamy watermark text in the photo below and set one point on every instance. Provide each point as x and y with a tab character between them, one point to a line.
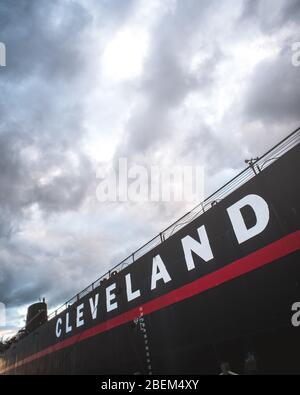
2	315
137	183
2	54
296	54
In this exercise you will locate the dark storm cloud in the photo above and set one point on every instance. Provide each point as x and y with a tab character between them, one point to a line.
25	181
274	95
45	44
50	60
271	15
270	106
43	38
29	277
166	80
42	165
115	11
204	146
7	225
18	288
41	161
20	280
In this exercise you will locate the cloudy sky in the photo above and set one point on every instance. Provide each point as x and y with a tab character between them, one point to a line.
86	82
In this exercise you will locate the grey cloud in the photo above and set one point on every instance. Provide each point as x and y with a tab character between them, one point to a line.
42	108
271	15
57	270
7	224
20	282
68	190
42	164
25	181
210	148
166	80
12	172
115	10
43	38
46	50
274	95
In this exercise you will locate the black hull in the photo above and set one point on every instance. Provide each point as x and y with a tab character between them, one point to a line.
233	308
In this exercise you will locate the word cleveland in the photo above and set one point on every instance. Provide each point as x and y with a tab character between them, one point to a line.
160	275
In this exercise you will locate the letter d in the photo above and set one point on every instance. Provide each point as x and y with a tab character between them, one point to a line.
261	211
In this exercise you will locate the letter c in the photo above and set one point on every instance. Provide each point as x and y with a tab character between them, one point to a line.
58	327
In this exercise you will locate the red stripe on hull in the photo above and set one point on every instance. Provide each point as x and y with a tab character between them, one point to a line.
251	262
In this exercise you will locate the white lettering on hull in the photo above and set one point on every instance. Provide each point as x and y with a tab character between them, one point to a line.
202	248
94	306
261	211
131	295
160	274
110	297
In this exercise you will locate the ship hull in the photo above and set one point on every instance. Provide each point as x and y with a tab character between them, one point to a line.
234	310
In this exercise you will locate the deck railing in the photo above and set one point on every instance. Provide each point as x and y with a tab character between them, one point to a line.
255	167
